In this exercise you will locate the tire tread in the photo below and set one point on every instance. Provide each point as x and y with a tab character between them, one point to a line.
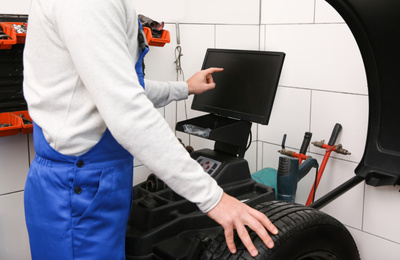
289	218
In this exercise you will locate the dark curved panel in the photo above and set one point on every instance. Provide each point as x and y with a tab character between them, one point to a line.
375	25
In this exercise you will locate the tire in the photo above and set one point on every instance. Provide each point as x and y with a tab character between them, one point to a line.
304	234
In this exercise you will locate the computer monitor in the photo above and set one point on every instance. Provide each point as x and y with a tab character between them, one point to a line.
246	88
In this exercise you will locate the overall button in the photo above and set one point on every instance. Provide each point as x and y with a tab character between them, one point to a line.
78	190
80	164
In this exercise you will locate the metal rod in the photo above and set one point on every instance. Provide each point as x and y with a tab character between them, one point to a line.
337	192
319	175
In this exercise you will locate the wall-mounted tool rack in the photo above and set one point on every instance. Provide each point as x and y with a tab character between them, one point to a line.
14	117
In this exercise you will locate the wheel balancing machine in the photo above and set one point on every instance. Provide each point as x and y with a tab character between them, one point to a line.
163	225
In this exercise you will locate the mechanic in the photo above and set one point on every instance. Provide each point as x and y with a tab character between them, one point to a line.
83	82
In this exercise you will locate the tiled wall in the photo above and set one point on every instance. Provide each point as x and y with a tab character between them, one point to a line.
323	82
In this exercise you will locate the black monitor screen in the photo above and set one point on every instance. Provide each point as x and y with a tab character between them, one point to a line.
246	88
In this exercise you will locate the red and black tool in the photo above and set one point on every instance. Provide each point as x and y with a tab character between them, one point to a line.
329	148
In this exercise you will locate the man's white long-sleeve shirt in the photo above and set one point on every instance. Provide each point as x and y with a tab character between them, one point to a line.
80	78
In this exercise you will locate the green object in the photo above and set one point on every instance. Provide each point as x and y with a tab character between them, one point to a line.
266	176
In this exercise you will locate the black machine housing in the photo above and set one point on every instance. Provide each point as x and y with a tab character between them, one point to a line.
166	226
374	24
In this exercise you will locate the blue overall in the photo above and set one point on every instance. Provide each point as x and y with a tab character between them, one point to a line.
77	207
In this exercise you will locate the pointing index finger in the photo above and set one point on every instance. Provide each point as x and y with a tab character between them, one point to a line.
213	70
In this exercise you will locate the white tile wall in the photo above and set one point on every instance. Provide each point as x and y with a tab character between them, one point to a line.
319	56
237	37
157	9
31	148
222	11
259	155
290	115
201	11
13	234
287	11
381	216
14	163
351	111
325	13
373	247
251	157
270	155
262	31
15	7
195	39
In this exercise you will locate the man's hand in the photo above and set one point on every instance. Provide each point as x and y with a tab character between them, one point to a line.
202	81
232	214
